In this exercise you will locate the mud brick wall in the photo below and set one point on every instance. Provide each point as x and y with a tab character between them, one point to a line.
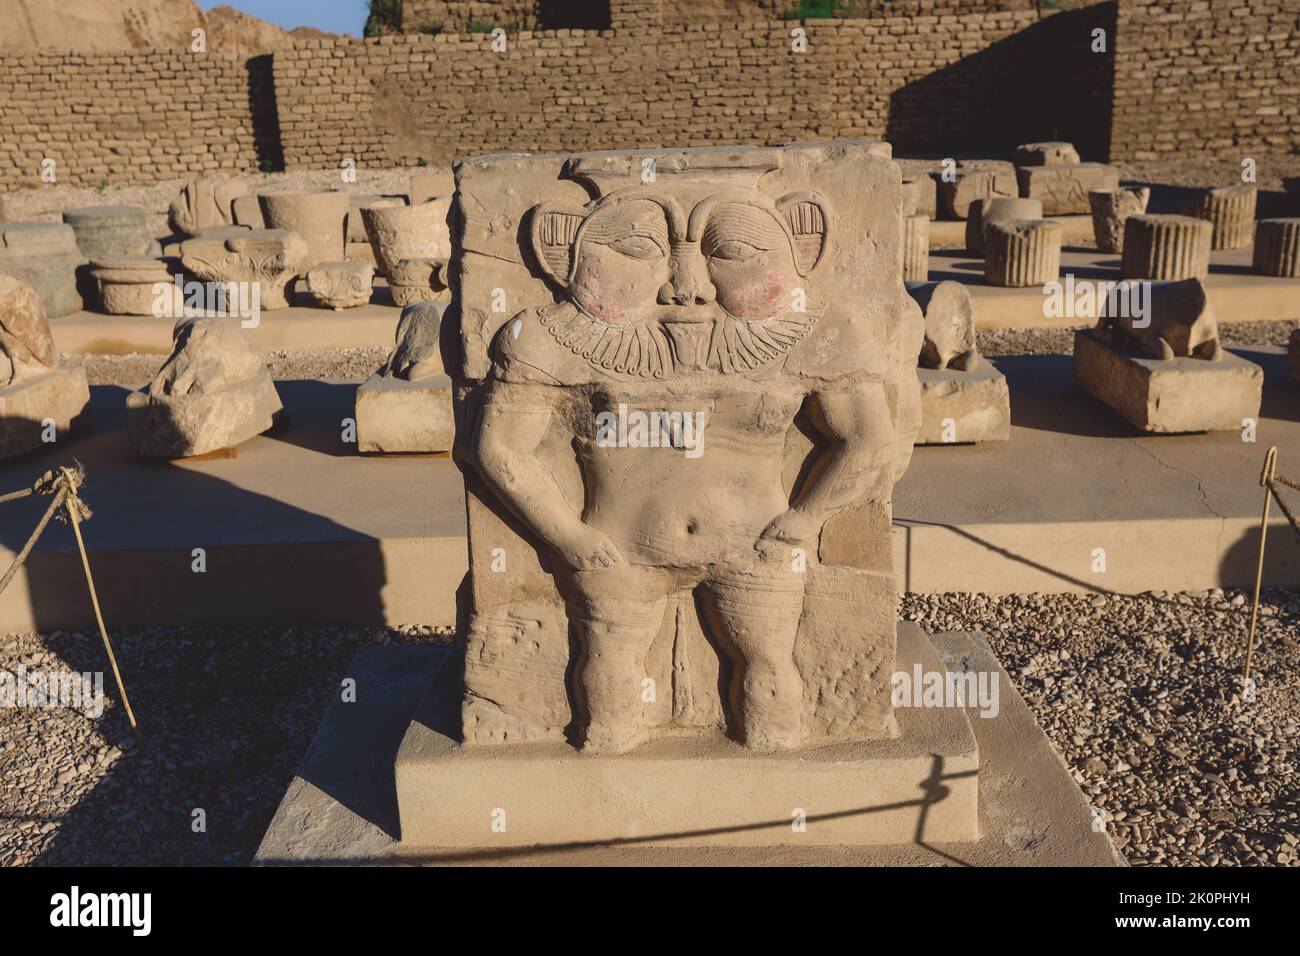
129	118
1208	76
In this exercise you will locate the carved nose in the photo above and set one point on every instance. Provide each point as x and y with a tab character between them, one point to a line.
687	282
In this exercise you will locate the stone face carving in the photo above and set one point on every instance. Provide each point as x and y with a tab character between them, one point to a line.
213	392
1179	323
1046	154
34	390
916	248
341	285
406	405
407	232
1110	209
104	231
642	442
1231	211
1022	252
417	280
996	210
1277	248
1063	188
1166	247
136	285
203	204
318	218
45	256
270	257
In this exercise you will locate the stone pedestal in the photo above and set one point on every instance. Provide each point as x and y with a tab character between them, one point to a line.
1063	188
1277	248
1230	210
407	232
1022	253
45	256
959	407
996	210
104	231
916	248
396	416
1111	208
1169	395
60	396
319	219
1052	153
137	285
1166	247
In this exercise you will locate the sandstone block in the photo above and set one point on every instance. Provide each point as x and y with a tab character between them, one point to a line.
996	210
1063	188
1053	153
1277	248
356	231
963	407
973	181
137	285
417	280
407	232
247	210
341	285
318	218
1022	252
1111	208
1229	209
205	203
1166	247
271	258
104	231
45	256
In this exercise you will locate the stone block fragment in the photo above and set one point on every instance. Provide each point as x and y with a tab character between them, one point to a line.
1053	153
1277	248
341	285
1160	246
1063	188
271	258
104	231
407	232
417	280
996	210
205	203
1022	252
137	285
45	256
318	218
1111	208
1229	209
406	405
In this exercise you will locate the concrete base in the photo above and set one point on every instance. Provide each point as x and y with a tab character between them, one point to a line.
397	416
1169	395
341	807
60	396
693	790
964	407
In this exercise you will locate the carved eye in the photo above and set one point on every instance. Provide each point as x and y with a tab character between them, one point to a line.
733	250
637	247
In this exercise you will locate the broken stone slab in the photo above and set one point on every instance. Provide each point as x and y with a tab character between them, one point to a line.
204	203
408	232
1161	246
964	407
406	405
996	210
318	218
417	280
1277	248
138	285
1111	208
356	231
39	401
1022	252
104	231
45	256
916	248
341	285
1168	395
272	258
1063	188
213	392
1229	209
978	179
1051	153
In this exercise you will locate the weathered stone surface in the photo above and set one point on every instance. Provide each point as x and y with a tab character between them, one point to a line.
996	210
1168	395
1177	322
418	280
204	203
45	256
104	231
1053	153
963	406
341	285
416	356
916	248
429	183
1063	188
247	210
949	340
407	405
658	297
34	392
137	285
1022	252
920	197
270	257
1277	248
1230	209
1111	209
356	231
1166	247
317	218
213	392
975	180
407	232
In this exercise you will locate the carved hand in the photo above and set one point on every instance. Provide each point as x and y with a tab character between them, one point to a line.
792	529
585	549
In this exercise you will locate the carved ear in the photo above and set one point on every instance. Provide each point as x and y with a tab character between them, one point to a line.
809	220
553	228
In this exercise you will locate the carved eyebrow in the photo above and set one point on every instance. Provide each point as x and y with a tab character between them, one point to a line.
754	227
642	219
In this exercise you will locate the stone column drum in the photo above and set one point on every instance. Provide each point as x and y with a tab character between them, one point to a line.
1230	209
916	248
137	285
1166	247
999	209
317	218
111	231
407	232
1110	209
1277	248
1022	253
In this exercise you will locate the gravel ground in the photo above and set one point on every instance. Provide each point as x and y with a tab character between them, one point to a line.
1139	693
1061	341
338	365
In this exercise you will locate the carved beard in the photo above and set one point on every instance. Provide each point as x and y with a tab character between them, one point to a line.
658	347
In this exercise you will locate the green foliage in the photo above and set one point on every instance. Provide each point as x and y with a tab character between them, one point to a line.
479	27
385	16
102	185
266	166
814	10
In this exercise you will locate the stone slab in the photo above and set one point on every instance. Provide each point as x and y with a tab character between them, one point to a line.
395	416
340	808
60	395
978	404
1169	395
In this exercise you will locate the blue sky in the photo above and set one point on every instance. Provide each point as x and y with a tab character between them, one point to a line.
337	16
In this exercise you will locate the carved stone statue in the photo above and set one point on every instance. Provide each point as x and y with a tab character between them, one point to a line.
713	359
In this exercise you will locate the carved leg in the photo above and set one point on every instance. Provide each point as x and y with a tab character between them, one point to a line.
619	612
757	613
